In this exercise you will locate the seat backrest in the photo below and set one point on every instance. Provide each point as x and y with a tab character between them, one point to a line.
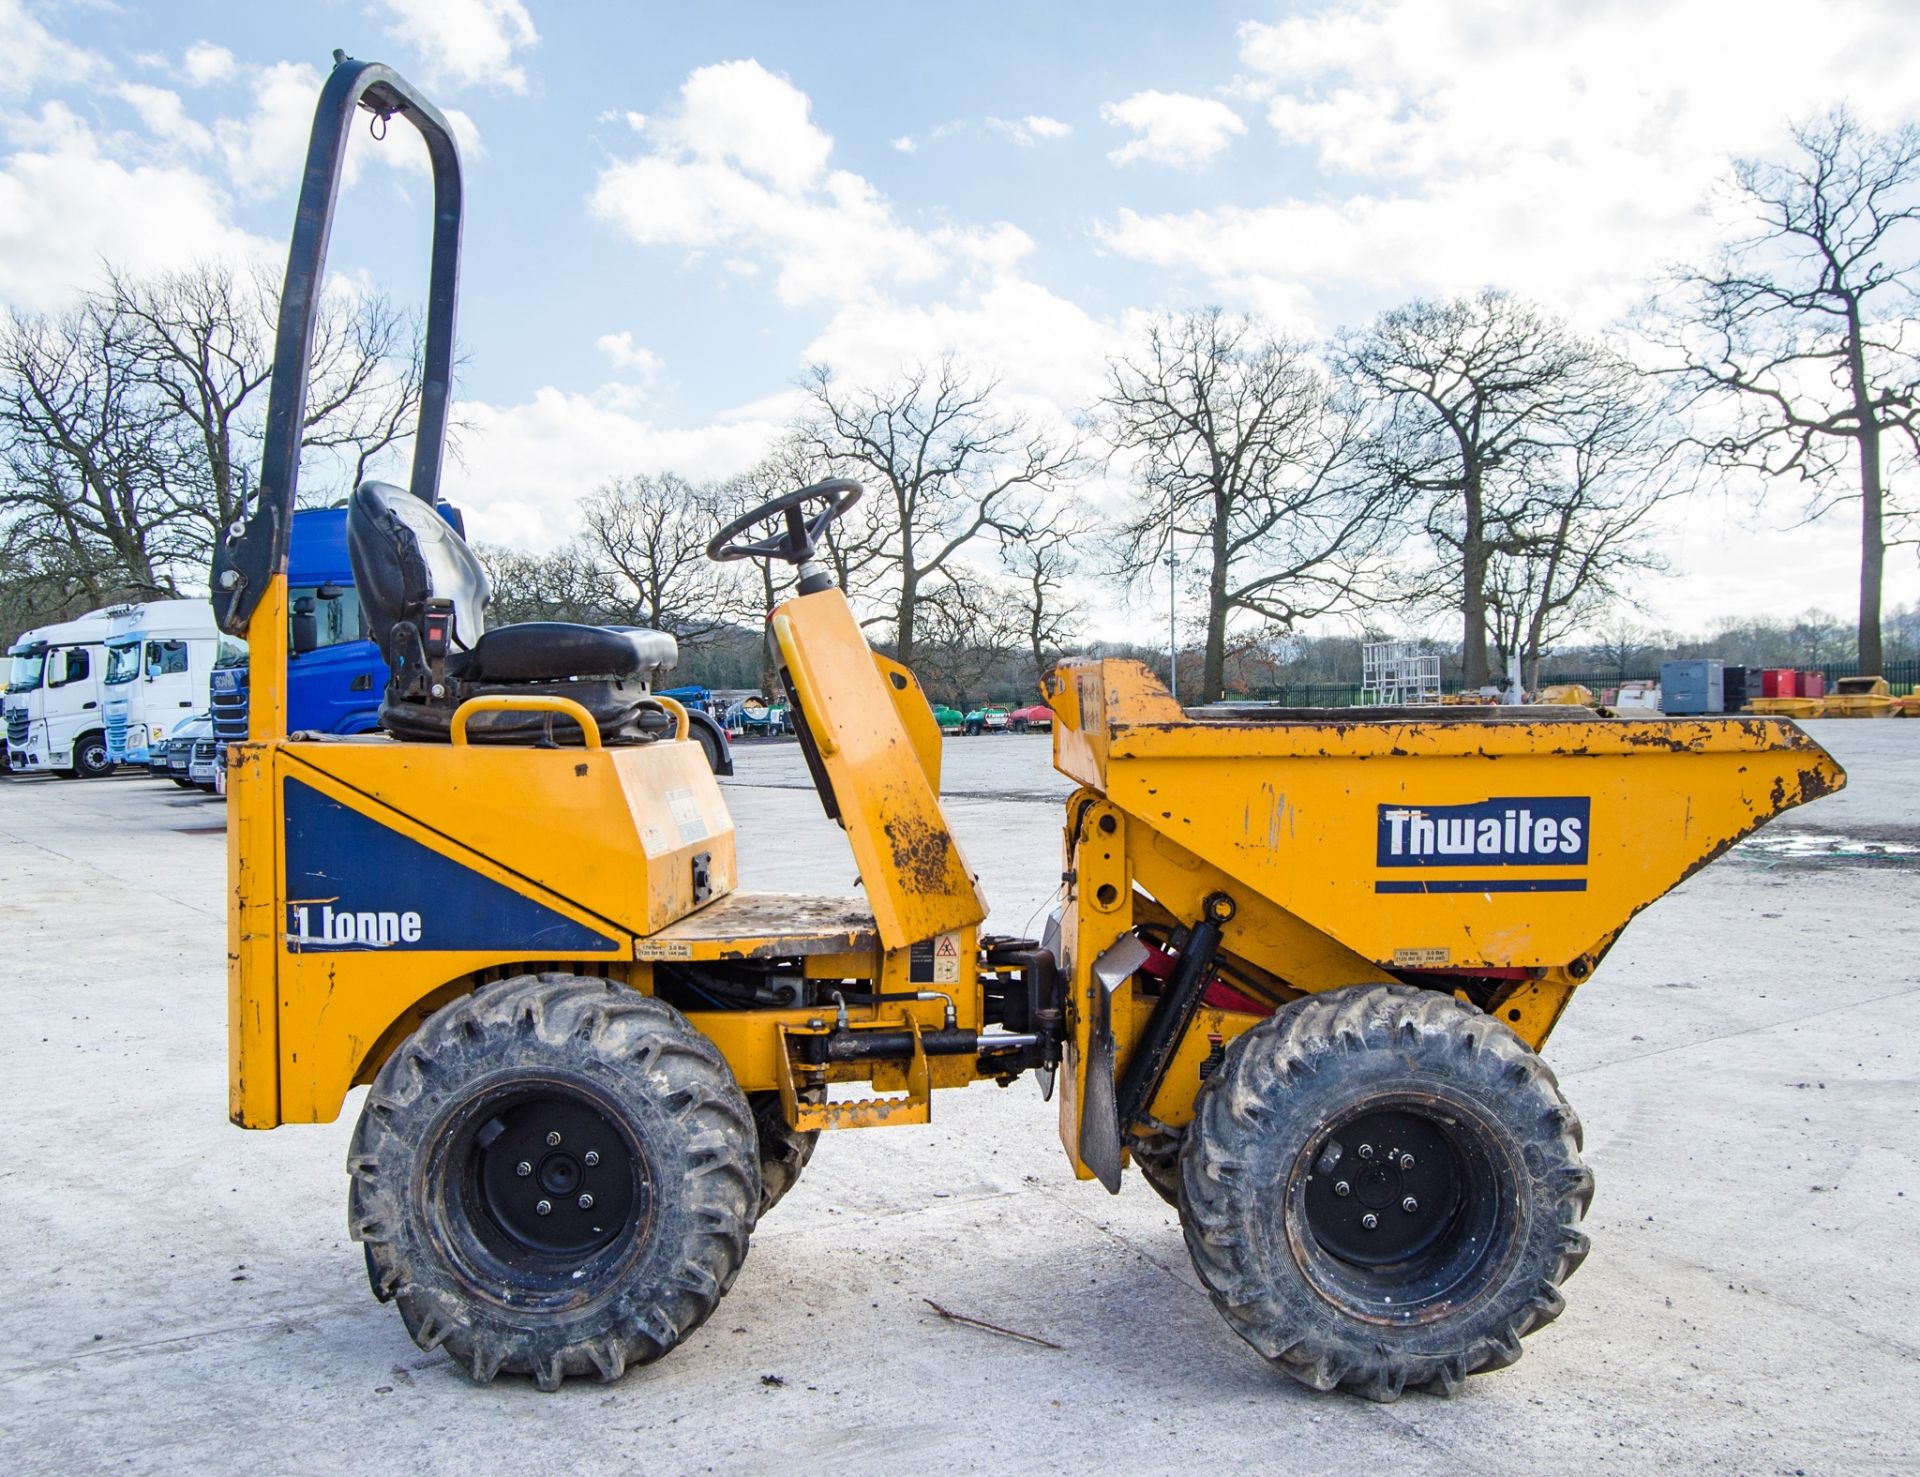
404	554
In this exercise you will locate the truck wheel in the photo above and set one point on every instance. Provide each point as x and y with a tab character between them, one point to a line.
783	1151
554	1176
1382	1187
709	745
91	761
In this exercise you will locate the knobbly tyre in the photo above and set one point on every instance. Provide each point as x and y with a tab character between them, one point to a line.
1300	977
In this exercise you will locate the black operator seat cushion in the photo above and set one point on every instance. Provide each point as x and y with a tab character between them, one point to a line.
551	651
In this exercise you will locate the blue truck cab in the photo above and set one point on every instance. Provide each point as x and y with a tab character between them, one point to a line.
334	672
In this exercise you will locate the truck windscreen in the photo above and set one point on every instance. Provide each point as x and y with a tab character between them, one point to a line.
23	675
123	661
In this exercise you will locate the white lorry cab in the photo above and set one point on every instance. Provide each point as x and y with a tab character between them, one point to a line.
54	703
160	660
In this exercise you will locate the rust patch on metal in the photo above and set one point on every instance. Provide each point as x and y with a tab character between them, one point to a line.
922	852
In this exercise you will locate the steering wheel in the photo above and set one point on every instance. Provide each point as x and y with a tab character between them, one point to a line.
797	542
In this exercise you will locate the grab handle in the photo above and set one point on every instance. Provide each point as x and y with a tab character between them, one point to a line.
510	703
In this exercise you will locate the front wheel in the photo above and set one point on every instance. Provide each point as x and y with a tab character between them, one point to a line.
555	1176
1382	1187
91	761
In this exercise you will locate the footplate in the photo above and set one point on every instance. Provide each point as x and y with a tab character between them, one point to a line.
913	1106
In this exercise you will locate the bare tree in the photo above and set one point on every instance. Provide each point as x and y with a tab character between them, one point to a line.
941	469
562	585
1575	536
1042	555
650	534
1802	329
1474	397
85	453
969	628
124	421
1241	448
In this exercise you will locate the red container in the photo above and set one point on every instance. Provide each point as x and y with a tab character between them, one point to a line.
1779	682
1813	684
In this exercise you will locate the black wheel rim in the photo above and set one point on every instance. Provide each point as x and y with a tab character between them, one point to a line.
486	1214
553	1176
1401	1207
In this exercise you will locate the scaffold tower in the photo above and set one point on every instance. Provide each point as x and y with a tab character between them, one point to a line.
1398	674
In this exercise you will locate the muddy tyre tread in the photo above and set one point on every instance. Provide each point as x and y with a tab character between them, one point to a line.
704	1224
783	1152
1238	1106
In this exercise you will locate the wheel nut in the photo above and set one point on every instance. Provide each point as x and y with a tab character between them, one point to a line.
591	1158
586	1202
1409	1205
1369	1221
523	1169
545	1207
1366	1151
553	1139
1341	1187
1406	1161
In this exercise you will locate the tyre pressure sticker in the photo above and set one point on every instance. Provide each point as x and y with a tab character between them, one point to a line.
1422	958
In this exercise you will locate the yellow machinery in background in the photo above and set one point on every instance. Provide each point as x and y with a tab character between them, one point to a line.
1299	976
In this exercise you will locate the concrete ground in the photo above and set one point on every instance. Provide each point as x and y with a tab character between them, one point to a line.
182	1295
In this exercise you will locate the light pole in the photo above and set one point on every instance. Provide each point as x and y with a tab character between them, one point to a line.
1173	609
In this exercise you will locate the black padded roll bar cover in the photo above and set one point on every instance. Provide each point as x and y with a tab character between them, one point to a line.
243	564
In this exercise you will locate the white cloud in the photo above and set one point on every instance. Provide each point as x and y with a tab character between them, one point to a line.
738	166
463	42
1026	130
905	143
624	353
66	209
205	62
740	113
1172	128
35	57
165	117
1562	151
521	470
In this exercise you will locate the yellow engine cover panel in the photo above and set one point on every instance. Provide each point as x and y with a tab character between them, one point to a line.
623	833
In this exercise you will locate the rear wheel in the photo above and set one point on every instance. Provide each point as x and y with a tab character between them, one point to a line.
1382	1187
709	745
555	1176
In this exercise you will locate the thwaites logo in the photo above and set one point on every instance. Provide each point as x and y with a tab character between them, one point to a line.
1516	831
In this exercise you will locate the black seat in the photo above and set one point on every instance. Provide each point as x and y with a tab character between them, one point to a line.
425	597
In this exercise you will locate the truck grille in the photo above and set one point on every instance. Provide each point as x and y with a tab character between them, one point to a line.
117	735
230	717
16	726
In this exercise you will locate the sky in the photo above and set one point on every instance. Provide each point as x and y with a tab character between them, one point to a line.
674	210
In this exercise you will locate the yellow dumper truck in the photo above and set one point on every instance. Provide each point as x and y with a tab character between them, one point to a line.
1299	978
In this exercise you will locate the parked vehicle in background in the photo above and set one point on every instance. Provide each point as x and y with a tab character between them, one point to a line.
949	719
160	660
1037	716
191	747
989	719
757	718
335	674
55	684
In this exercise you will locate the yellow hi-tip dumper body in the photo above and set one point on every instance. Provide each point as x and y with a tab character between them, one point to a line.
1300	974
